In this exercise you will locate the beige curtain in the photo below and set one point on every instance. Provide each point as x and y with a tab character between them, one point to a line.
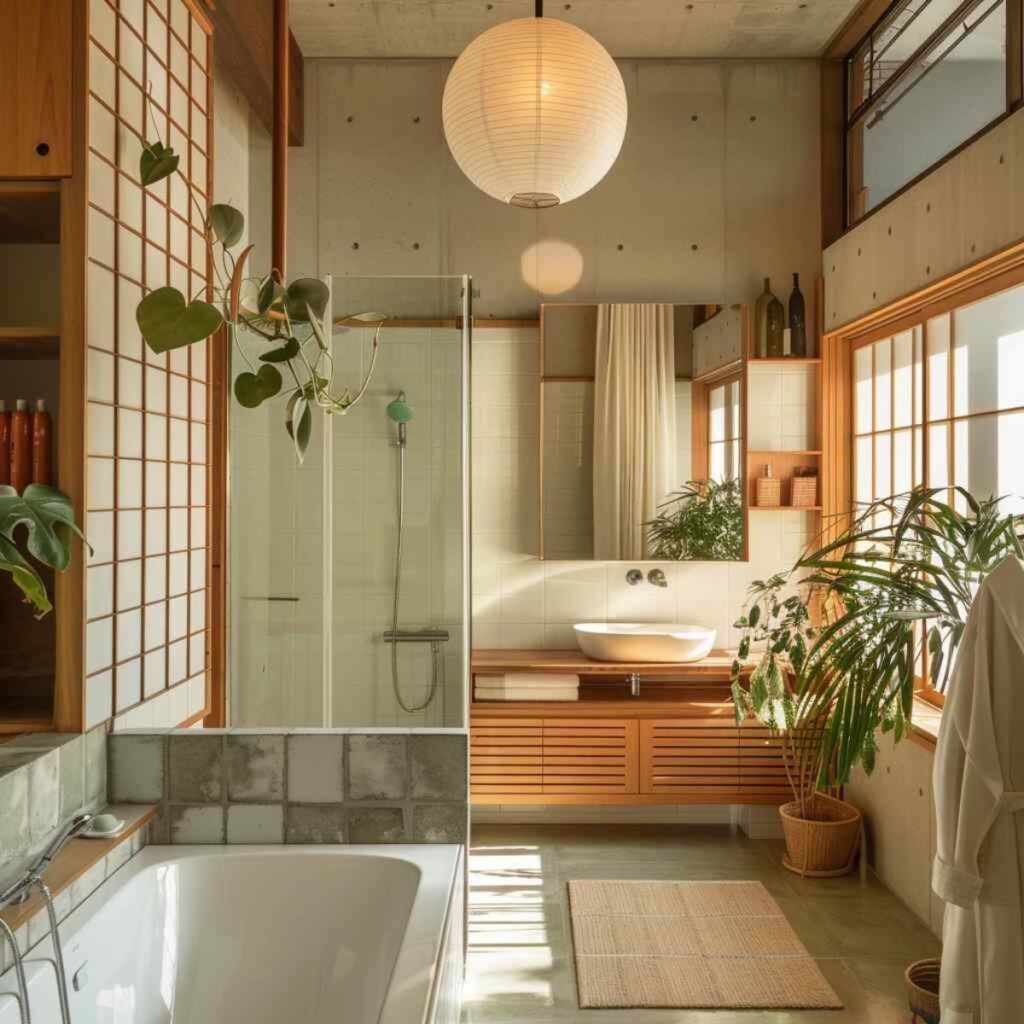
634	424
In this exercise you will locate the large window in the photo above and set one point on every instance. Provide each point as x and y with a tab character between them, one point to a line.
928	77
941	403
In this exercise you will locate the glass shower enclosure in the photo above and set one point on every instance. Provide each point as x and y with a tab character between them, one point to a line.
348	571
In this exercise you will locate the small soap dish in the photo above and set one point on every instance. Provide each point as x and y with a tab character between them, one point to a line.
104	826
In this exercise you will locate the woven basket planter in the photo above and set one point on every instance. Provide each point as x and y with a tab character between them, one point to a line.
923	991
823	844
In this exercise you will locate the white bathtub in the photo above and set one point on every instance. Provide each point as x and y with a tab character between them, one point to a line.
263	935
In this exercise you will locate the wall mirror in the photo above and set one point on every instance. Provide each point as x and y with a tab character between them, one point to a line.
642	410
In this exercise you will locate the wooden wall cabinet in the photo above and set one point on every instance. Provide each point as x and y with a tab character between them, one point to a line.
35	89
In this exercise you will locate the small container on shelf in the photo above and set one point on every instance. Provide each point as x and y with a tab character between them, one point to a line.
769	489
41	436
21	446
804	487
5	443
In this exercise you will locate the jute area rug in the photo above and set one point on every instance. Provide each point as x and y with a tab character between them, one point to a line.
700	945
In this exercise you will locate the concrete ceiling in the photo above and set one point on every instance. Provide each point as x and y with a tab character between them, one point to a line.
627	28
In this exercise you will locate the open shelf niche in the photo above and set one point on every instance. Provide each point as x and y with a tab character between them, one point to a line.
30	369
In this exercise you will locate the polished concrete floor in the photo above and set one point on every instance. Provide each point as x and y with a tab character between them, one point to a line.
520	965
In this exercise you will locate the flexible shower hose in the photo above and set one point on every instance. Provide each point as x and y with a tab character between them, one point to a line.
436	654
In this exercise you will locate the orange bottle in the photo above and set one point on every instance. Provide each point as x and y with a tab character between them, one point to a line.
5	443
41	432
21	446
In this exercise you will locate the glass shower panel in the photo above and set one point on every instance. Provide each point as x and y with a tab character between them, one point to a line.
275	536
408	669
317	637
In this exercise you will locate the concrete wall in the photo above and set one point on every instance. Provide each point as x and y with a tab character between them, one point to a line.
716	187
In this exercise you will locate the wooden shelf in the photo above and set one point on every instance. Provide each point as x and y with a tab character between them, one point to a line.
785	508
29	212
785	359
716	665
29	343
783	451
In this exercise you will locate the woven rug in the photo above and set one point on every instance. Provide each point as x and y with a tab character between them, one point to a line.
701	945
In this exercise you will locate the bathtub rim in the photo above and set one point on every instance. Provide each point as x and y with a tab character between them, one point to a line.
412	987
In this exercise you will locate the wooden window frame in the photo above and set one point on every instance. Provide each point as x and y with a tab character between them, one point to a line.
842	196
980	281
701	427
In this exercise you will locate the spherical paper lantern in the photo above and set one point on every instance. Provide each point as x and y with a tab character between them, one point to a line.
534	112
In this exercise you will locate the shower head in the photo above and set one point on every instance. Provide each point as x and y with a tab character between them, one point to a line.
398	411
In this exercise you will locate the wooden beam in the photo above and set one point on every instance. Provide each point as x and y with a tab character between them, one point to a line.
279	141
833	151
243	34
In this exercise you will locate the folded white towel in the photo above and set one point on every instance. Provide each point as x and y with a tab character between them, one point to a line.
527	695
537	680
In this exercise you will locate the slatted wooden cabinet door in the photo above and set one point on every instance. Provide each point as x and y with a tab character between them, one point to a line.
690	757
506	756
590	756
515	757
762	769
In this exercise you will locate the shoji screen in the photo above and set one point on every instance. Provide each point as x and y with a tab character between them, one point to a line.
146	648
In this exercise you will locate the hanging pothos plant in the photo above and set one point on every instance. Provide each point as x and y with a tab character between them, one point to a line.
290	317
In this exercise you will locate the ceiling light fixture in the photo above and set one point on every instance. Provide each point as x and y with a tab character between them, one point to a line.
534	112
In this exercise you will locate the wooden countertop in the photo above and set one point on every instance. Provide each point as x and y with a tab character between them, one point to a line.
717	665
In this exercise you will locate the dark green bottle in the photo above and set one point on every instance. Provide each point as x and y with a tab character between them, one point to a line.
797	321
775	326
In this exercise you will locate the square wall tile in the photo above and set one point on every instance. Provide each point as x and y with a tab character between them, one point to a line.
438	767
315	768
196	768
136	767
202	825
376	767
255	823
318	825
439	823
376	825
255	767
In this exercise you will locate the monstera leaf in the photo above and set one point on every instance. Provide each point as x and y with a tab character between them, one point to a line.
37	515
167	321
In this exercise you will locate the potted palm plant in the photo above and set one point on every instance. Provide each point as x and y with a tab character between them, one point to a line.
891	596
701	522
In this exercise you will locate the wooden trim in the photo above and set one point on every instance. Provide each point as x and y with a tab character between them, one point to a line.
861	21
833	150
77	858
1014	53
69	586
279	142
522	323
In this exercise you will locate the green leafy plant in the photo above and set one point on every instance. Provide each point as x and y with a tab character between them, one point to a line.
701	522
45	518
290	318
894	592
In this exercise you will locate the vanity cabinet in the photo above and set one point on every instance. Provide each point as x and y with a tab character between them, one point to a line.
35	89
677	743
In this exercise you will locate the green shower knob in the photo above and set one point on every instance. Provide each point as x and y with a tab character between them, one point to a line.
398	411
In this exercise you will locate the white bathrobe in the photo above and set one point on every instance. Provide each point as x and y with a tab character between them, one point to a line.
979	811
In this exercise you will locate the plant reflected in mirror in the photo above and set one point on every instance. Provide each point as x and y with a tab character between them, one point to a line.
701	522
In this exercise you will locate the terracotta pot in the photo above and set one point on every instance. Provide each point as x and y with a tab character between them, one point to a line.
822	837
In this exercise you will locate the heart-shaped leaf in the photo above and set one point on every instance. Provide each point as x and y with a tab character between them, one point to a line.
253	389
226	223
299	423
289	350
156	163
268	289
305	295
167	321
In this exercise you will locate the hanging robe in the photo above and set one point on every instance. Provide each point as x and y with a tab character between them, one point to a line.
979	811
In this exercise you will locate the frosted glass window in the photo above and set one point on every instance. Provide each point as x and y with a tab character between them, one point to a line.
903	379
883	384
989	354
724	430
938	368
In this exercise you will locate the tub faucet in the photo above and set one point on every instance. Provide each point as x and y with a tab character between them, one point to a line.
59	841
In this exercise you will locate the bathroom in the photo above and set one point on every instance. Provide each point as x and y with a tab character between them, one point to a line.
476	613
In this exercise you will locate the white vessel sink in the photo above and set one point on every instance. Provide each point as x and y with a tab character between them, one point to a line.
644	641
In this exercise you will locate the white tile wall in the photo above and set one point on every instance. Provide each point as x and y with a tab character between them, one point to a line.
520	600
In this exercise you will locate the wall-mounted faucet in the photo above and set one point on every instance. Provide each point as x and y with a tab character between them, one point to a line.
634	576
657	577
